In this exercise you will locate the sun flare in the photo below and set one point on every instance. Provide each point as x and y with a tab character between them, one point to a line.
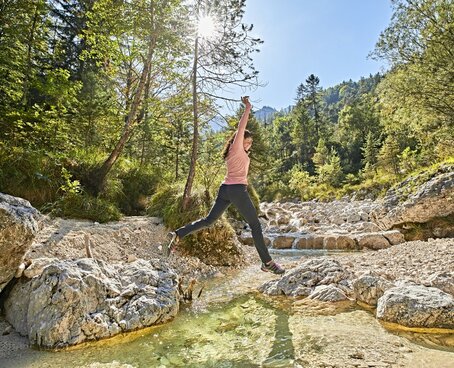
207	27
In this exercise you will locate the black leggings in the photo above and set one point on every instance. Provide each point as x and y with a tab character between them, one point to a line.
238	195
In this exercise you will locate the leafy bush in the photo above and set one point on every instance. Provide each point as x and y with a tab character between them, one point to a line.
137	185
31	174
75	203
83	206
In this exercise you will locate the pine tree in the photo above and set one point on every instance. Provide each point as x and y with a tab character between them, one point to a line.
388	157
322	154
370	152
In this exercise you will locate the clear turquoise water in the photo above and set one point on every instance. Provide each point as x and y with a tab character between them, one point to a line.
232	325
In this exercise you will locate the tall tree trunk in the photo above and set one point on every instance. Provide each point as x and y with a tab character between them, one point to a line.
28	68
99	176
177	153
195	139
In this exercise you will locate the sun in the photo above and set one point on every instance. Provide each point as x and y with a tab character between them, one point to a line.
207	26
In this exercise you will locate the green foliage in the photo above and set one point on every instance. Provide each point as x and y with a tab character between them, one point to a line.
33	175
84	206
75	203
370	153
388	158
138	185
331	173
321	154
418	91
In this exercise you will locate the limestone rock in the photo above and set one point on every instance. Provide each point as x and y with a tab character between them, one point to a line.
19	223
434	198
369	288
394	236
328	293
246	239
283	242
37	266
443	281
88	299
372	241
346	242
417	306
329	242
308	241
302	280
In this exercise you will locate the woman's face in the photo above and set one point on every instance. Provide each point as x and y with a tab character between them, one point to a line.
247	143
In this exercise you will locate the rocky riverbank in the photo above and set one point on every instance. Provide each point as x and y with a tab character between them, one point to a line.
99	280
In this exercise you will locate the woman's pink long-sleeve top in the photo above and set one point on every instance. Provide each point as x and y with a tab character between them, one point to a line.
237	159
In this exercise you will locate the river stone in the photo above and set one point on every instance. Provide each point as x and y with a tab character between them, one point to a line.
302	280
373	241
354	217
77	300
345	242
394	236
369	288
283	242
442	280
246	239
328	293
283	219
19	223
329	242
305	241
417	306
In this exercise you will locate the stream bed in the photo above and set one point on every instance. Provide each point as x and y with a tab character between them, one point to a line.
232	325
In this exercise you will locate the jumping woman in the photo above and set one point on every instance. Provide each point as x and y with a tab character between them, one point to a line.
233	190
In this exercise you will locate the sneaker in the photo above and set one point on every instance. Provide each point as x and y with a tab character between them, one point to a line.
170	242
272	267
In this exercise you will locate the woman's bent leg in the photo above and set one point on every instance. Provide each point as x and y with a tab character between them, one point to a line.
239	196
220	205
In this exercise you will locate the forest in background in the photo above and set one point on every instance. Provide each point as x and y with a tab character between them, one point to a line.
105	108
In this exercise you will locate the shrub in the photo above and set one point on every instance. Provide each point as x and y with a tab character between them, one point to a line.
31	174
137	185
83	206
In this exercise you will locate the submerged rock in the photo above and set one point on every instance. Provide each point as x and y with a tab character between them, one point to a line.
302	280
18	226
328	293
86	299
369	288
417	306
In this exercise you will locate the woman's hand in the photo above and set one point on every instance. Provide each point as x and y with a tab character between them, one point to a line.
245	100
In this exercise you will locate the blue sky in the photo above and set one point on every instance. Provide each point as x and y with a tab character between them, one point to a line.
328	38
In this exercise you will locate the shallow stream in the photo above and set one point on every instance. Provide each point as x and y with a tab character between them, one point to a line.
232	325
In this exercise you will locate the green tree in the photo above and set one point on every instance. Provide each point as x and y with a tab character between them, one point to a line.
220	60
130	49
309	95
370	153
388	157
418	92
331	172
321	153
